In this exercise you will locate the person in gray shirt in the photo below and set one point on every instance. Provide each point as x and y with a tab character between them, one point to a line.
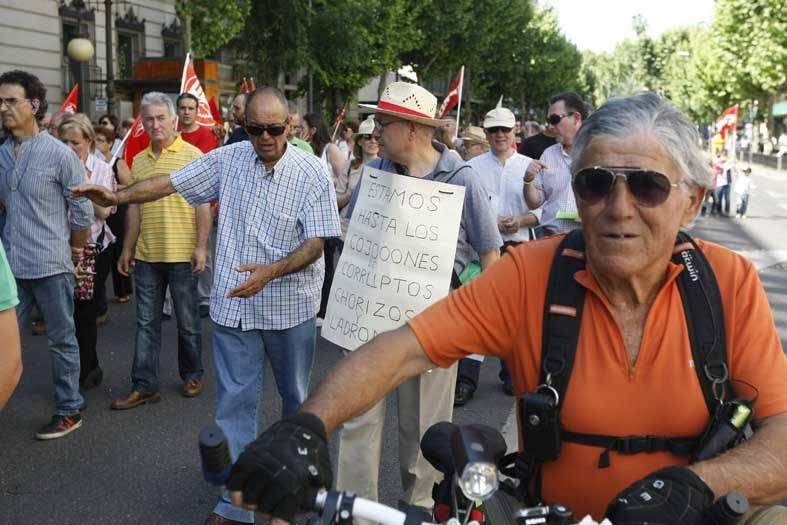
405	125
44	234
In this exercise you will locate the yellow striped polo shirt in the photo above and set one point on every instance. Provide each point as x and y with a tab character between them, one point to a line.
168	226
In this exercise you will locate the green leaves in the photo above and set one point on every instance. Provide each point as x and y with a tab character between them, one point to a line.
213	24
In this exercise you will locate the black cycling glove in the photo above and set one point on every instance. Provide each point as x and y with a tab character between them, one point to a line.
673	495
282	470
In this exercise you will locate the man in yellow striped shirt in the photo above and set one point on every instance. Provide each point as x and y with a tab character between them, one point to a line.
166	243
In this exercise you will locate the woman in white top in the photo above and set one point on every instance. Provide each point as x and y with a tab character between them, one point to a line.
364	150
77	132
316	133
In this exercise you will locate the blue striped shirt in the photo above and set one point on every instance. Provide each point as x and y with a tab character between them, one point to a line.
263	217
554	183
34	188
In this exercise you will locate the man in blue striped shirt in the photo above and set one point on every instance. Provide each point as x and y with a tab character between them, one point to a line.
44	234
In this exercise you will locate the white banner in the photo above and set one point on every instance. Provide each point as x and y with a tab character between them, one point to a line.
398	256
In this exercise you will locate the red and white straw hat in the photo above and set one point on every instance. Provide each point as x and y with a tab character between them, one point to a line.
408	102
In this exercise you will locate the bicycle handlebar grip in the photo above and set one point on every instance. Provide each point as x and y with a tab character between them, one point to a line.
215	455
729	509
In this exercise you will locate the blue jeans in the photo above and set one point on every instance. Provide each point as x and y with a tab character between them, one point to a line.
239	359
54	296
151	281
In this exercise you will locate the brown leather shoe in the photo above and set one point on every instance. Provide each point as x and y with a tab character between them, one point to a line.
134	399
215	519
191	388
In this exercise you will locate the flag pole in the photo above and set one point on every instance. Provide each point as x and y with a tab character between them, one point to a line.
459	103
122	143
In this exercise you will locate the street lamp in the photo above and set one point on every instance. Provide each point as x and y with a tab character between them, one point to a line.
80	49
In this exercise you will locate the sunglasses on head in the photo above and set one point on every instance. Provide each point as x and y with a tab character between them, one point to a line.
274	130
648	187
555	118
493	130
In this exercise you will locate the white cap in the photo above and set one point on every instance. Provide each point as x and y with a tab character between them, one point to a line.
367	126
500	116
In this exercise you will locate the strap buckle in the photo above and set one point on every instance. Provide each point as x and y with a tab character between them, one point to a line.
635	444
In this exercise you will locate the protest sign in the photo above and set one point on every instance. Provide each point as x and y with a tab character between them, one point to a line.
398	256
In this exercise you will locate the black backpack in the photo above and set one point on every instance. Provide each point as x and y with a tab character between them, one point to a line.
565	297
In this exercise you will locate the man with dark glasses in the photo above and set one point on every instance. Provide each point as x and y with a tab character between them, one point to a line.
633	378
277	206
548	181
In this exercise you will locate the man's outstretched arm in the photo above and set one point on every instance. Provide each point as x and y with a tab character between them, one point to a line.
144	191
360	381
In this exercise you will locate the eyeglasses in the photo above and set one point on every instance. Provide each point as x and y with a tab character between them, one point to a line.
649	188
555	118
379	125
274	130
11	102
495	129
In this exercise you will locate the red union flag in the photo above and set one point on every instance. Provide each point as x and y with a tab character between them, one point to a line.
70	103
135	140
190	84
728	121
454	94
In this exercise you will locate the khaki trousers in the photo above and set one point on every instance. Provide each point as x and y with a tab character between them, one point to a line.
422	401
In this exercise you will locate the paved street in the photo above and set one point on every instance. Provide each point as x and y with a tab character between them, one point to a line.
142	465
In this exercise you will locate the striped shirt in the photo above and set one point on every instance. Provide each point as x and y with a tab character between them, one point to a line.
34	188
554	184
265	216
168	226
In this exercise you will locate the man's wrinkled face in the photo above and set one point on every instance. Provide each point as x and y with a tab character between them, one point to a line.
187	112
393	136
158	122
16	110
266	113
500	139
625	237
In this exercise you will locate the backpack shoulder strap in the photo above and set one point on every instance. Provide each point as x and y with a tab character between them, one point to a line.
704	314
562	314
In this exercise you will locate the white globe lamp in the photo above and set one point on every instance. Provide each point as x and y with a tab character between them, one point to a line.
80	49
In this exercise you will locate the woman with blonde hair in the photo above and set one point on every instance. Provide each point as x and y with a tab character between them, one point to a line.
76	131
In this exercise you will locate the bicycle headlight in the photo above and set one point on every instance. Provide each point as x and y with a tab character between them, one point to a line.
478	480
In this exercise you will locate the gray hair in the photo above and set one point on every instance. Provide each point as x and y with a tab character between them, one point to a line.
651	114
156	98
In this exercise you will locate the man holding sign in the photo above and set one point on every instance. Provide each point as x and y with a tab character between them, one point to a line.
404	128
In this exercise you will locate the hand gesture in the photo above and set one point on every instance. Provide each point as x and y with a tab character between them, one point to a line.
261	274
534	169
100	195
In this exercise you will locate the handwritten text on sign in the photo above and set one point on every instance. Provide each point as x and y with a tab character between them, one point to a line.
398	256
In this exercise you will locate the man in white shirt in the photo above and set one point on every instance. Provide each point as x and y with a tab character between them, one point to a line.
501	170
548	180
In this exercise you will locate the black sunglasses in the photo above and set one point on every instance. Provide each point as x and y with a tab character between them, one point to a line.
555	118
366	136
274	130
648	187
495	129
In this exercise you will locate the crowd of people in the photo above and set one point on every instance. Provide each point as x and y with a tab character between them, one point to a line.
246	229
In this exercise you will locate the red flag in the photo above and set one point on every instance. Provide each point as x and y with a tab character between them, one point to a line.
728	121
190	84
214	110
136	140
244	88
453	95
70	103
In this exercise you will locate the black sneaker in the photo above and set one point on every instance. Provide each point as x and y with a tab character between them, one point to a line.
59	426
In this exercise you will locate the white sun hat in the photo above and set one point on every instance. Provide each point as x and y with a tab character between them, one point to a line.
408	102
499	117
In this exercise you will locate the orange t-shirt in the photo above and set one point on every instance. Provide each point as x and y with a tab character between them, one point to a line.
500	313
